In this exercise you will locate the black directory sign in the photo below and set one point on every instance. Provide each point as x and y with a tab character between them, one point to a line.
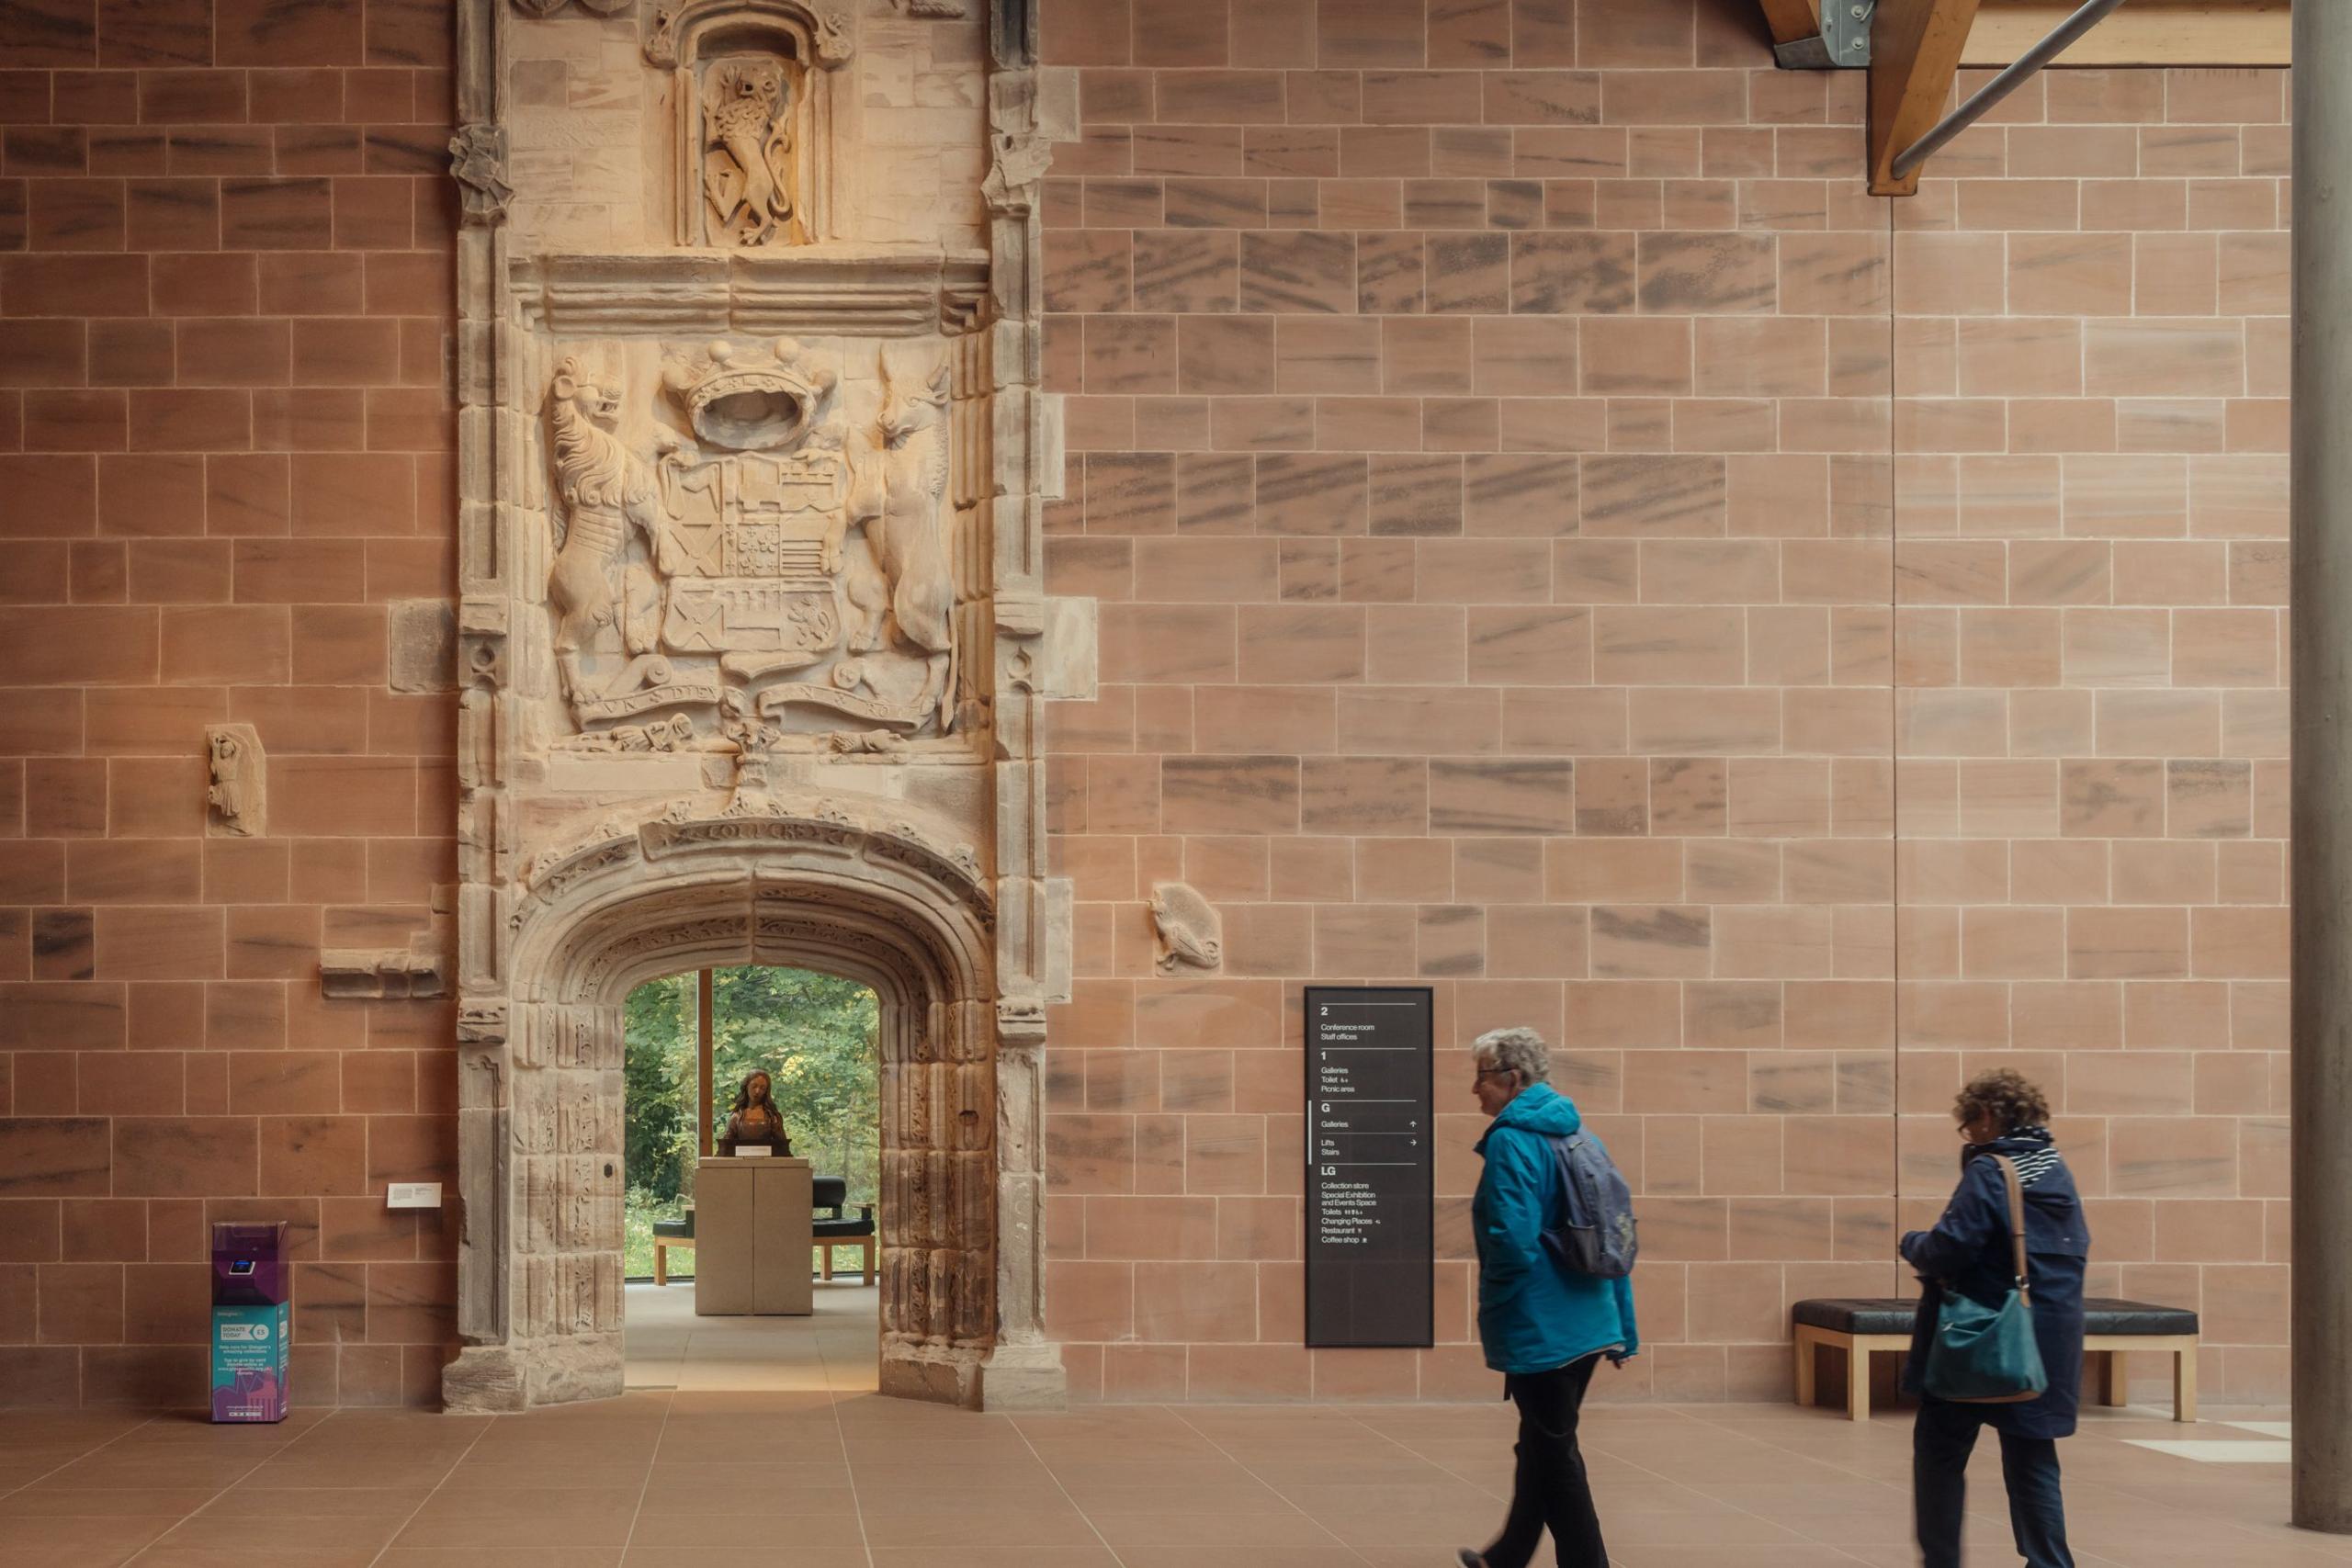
1370	1172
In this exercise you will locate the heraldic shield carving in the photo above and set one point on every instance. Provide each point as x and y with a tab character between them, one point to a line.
769	566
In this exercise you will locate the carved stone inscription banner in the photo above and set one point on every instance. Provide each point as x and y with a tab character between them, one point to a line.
752	645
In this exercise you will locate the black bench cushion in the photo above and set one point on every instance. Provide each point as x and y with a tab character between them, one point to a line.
1892	1314
824	1229
679	1229
2105	1314
832	1192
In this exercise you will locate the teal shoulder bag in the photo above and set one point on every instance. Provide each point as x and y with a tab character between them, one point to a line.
1982	1355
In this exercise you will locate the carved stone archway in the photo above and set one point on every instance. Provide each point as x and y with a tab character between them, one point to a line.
753	641
795	883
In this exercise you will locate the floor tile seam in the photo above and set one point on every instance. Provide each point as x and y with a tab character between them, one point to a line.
840	1435
1287	1500
196	1512
1093	1528
85	1453
222	1491
644	1483
1737	1507
432	1492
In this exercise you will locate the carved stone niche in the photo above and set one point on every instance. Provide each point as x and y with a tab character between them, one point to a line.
753	85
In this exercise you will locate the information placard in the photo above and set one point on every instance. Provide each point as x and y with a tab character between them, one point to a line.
1369	1169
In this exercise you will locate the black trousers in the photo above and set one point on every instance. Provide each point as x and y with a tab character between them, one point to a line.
1549	1487
1941	1441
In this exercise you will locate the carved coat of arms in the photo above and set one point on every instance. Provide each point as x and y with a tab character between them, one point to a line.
775	540
750	537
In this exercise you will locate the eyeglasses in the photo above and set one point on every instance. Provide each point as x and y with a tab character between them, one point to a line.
1485	1073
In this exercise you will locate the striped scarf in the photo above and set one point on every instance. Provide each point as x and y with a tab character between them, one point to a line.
2037	1156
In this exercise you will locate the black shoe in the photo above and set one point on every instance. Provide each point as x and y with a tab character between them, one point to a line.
1469	1559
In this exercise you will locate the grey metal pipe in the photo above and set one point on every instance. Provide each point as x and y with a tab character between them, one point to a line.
2320	499
2086	17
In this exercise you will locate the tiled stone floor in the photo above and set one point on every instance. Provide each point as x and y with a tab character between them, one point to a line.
833	1348
700	1477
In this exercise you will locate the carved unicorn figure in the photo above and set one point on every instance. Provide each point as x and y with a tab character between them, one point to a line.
606	490
897	502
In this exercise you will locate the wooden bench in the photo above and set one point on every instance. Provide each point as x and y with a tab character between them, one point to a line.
2112	1329
668	1234
829	1230
830	1195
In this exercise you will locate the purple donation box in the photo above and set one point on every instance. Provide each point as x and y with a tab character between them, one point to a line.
251	1320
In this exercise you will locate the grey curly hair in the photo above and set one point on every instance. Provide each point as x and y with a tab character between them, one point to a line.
1520	1051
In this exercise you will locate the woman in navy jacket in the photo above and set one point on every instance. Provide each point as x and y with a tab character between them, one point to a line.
1970	1251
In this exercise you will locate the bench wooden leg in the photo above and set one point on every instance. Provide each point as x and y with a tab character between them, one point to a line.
1805	1349
2184	1384
825	1259
660	1264
865	1249
1858	1382
2114	1378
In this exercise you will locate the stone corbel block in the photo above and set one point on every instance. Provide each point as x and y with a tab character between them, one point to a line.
383	973
424	645
1057	102
1019	613
1066	669
1020	1021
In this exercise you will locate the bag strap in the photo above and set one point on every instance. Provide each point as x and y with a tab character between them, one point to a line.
2016	1220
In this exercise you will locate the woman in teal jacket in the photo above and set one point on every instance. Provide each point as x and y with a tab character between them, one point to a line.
1543	1327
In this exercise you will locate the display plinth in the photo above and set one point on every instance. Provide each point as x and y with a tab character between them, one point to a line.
753	1225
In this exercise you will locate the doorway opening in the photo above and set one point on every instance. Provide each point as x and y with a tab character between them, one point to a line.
790	882
692	1042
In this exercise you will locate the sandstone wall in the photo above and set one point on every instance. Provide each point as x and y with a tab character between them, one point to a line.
226	466
1557	539
1562	541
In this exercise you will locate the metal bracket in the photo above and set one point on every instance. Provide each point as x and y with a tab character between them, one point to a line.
1804	54
1846	32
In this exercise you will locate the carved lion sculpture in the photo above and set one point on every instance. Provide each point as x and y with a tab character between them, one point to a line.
604	489
747	166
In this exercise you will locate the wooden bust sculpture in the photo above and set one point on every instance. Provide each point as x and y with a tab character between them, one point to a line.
755	1122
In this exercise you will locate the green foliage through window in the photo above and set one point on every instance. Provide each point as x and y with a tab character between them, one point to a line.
815	1035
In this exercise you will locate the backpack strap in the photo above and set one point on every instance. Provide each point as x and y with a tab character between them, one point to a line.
2016	1192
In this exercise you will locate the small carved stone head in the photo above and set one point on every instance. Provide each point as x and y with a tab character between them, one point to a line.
910	404
577	385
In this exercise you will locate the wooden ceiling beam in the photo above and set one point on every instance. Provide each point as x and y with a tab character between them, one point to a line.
1915	48
2144	33
1792	20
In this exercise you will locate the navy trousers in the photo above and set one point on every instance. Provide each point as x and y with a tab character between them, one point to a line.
1549	1488
1940	1443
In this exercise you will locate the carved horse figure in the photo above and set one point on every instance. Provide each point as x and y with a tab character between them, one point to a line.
897	502
606	490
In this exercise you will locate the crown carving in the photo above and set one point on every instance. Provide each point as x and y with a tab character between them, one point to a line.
753	398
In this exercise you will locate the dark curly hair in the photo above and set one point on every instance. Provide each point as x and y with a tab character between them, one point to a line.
2006	1096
